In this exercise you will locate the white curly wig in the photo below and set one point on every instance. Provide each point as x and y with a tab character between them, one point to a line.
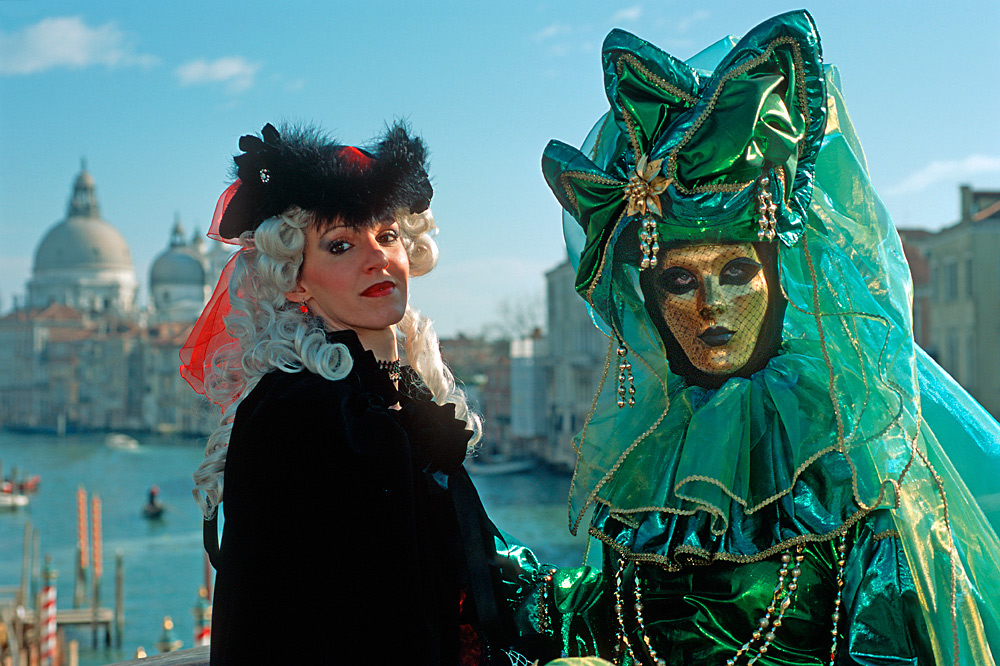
273	334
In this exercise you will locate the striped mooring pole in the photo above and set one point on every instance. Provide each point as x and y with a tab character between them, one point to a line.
48	619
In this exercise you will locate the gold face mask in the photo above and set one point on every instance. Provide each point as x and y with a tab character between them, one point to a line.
713	298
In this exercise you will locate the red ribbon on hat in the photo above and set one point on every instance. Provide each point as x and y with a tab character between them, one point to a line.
209	332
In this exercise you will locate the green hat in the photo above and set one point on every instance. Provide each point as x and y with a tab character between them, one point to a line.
725	157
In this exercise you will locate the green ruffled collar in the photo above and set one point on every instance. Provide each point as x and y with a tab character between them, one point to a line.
716	477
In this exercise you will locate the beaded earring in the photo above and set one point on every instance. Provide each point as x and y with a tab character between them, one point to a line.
303	308
625	377
648	243
766	208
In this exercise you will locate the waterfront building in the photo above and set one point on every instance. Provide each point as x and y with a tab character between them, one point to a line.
38	379
81	354
574	360
169	405
530	380
957	294
483	368
920	272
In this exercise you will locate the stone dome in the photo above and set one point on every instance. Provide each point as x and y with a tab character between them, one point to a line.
179	264
83	261
87	243
83	240
177	267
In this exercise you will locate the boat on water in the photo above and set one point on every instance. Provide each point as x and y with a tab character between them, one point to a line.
11	501
152	511
153	508
26	487
496	465
117	440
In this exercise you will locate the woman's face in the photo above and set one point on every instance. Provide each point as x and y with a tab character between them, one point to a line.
713	299
354	278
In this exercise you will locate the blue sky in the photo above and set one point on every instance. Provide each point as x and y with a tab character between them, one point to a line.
156	95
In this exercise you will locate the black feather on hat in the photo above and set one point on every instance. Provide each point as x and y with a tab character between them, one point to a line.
303	168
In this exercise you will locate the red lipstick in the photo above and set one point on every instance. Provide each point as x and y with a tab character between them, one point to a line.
379	289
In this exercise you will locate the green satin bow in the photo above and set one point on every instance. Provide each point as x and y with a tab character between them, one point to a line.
697	156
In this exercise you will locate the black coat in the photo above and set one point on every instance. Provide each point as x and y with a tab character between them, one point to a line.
342	542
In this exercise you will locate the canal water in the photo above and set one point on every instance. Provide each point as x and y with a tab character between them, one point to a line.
164	559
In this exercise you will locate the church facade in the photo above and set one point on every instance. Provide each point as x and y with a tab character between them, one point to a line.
81	354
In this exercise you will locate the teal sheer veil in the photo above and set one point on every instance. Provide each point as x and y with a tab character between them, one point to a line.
850	417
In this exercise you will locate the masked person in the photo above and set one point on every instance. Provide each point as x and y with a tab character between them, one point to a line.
764	464
352	532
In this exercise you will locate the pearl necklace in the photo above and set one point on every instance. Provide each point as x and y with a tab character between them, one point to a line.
763	636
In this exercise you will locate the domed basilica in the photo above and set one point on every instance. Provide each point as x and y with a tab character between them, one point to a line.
83	261
81	353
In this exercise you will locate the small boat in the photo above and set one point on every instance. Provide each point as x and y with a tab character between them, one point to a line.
152	511
11	501
117	440
30	485
26	487
153	508
499	465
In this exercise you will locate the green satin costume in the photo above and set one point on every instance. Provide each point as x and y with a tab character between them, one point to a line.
839	439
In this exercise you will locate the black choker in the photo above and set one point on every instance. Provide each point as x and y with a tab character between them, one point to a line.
392	367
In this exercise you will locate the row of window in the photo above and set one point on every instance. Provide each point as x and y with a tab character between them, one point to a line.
945	280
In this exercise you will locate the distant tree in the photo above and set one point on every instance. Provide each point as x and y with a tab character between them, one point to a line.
519	316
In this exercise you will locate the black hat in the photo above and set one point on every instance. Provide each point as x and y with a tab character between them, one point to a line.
303	168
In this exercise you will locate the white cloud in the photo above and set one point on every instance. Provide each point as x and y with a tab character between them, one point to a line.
554	30
67	42
628	14
684	24
945	171
238	74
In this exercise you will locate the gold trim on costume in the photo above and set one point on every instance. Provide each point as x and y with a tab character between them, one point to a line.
706	558
799	73
584	175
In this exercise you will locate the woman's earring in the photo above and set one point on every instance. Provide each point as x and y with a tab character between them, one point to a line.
303	308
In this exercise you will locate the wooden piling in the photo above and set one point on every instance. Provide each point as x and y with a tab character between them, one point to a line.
22	595
36	567
98	569
119	597
82	549
62	649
